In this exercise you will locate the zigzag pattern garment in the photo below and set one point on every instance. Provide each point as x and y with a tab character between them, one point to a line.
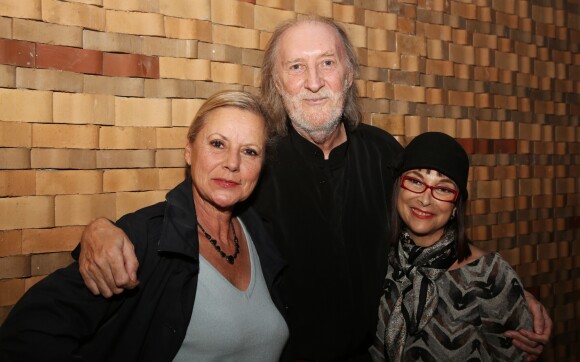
477	303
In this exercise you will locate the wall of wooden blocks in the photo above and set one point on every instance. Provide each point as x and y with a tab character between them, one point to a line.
96	97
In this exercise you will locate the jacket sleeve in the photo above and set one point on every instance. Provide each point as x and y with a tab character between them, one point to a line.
503	309
55	317
52	319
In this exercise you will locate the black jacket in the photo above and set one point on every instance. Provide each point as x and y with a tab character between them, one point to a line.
58	319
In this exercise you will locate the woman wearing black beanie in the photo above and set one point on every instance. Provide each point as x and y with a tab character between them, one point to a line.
444	298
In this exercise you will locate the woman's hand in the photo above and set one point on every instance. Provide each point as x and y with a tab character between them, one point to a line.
533	342
107	260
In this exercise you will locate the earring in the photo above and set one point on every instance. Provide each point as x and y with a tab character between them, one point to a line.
453	213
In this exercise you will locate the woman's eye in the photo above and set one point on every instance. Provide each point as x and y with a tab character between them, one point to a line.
415	181
444	190
251	152
216	143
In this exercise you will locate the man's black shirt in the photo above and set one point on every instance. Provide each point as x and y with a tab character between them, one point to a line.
329	219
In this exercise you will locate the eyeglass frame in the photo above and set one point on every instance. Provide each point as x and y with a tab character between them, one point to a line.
406	177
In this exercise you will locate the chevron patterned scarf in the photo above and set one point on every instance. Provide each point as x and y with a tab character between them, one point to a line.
415	270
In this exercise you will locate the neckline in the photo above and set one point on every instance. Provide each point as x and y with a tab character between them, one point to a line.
250	288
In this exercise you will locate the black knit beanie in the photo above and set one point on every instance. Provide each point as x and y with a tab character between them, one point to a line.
437	151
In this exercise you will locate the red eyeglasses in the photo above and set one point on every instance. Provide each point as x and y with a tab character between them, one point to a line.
440	193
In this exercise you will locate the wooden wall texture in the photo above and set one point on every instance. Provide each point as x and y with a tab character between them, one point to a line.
96	96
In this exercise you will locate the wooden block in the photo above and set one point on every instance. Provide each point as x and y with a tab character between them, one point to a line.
180	48
27	9
48	79
75	14
130	180
348	13
16	52
380	39
40	32
69	59
142	112
17	183
83	108
126	138
132	201
382	59
12	290
357	34
232	13
444	125
35	241
15	134
227	73
406	25
379	90
488	130
188	29
17	266
14	158
174	137
125	159
506	61
127	87
169	158
206	89
44	264
439	67
466	99
113	42
184	9
130	65
380	20
409	93
321	7
65	136
411	44
170	88
8	76
267	18
462	54
10	242
144	6
219	52
62	158
252	57
415	125
243	38
68	182
134	23
187	69
82	209
171	177
15	105
279	4
26	212
394	124
183	111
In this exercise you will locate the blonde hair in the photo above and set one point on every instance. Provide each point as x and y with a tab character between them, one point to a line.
228	98
272	99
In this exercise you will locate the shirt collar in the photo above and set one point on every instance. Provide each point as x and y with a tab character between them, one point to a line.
311	151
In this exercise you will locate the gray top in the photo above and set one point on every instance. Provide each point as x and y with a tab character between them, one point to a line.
477	303
229	324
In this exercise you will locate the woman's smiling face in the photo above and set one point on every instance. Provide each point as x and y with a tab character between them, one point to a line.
424	215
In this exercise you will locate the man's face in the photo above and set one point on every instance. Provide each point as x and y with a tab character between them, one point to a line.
312	77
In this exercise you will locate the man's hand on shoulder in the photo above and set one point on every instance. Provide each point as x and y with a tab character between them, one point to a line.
107	260
533	342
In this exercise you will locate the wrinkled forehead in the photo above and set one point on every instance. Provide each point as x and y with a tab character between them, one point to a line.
312	37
